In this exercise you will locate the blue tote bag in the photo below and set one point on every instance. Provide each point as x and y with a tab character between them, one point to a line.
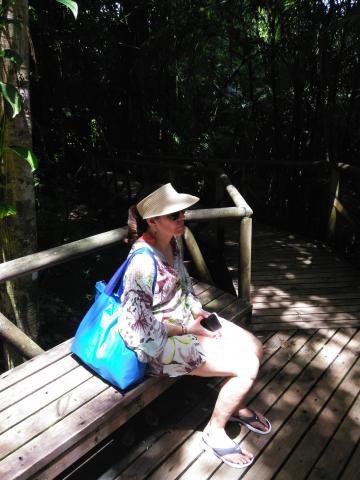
98	342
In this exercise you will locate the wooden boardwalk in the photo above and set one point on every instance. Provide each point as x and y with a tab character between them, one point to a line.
306	311
298	283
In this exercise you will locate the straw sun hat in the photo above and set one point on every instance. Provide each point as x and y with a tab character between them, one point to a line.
164	200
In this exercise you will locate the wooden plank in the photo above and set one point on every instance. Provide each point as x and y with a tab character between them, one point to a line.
260	306
308	287
306	317
155	388
208	295
190	451
200	287
278	259
305	310
267	250
266	271
29	428
10	377
300	290
38	380
281	296
55	391
174	437
304	325
352	468
108	405
229	307
284	406
306	412
173	466
166	446
117	468
207	465
281	255
302	458
308	281
134	453
302	271
336	455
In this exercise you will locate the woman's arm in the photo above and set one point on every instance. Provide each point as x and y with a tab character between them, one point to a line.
137	325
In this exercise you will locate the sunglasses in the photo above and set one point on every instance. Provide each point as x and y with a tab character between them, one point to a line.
175	216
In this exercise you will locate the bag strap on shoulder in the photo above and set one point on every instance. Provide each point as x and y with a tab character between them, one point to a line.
116	279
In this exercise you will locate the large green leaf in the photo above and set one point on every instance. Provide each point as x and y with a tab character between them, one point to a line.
27	155
70	4
7	210
12	96
12	56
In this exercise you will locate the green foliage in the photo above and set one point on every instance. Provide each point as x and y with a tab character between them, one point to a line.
12	96
12	56
7	211
27	155
71	5
252	80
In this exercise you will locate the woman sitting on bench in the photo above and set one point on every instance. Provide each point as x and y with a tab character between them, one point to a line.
164	328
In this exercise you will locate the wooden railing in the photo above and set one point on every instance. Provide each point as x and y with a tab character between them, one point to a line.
64	253
338	207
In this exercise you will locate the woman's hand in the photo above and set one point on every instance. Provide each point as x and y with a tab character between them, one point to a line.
196	328
200	313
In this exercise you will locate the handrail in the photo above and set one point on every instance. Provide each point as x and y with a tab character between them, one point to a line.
57	255
237	198
61	254
69	251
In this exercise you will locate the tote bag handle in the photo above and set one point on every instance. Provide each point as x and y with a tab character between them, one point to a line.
118	275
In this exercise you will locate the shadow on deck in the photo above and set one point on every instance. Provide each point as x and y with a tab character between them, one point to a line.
306	311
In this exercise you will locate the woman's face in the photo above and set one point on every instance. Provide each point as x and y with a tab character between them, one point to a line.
169	224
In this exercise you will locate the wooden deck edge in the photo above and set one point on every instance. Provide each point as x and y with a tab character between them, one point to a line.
106	428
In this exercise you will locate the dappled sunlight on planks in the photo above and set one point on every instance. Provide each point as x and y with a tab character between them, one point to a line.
302	281
308	386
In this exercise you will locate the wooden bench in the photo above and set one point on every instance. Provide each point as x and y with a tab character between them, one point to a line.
53	410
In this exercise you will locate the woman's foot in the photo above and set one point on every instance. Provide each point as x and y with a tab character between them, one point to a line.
254	421
226	449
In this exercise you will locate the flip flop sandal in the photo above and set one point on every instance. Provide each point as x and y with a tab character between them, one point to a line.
247	421
221	452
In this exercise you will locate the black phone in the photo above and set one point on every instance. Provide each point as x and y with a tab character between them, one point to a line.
211	323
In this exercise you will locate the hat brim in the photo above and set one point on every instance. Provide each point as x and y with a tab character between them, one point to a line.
182	202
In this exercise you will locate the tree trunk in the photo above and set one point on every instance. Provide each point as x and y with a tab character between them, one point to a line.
18	232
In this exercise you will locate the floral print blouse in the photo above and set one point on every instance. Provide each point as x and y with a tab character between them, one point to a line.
144	313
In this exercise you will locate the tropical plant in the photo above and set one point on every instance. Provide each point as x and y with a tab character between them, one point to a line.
17	164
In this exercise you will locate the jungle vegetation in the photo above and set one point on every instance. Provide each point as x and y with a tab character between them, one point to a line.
259	87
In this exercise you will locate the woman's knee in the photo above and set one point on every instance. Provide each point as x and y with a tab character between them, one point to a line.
247	368
246	340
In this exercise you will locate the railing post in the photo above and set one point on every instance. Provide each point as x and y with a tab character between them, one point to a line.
197	256
334	195
244	268
219	194
16	337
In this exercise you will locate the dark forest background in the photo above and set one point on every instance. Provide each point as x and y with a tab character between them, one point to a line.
266	90
256	81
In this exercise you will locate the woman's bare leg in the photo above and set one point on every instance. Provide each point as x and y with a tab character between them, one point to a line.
237	355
